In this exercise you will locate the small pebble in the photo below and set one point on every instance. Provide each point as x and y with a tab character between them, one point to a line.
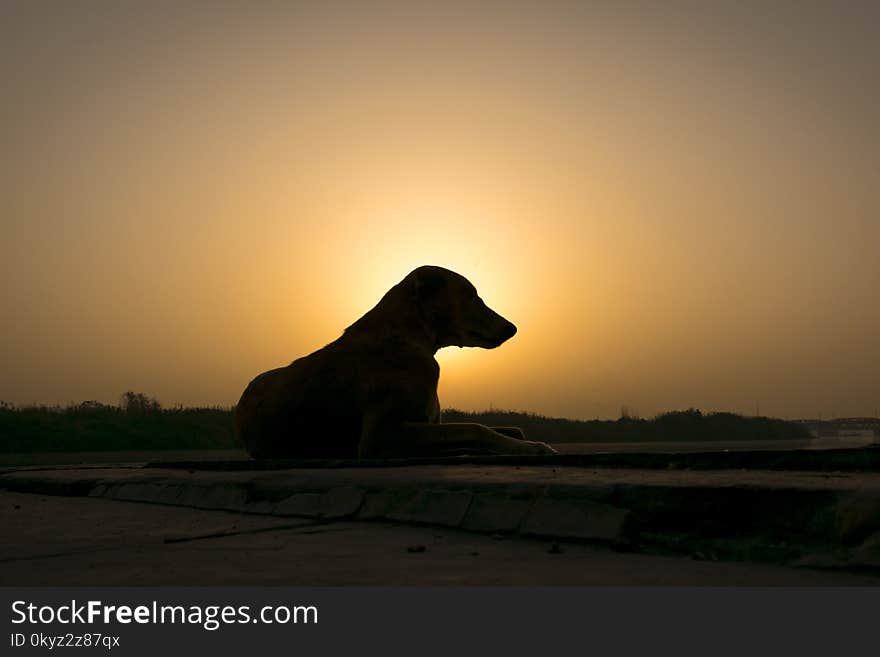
415	549
555	548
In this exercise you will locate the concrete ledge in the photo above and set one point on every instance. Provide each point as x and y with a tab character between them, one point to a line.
494	512
433	507
862	459
805	512
584	519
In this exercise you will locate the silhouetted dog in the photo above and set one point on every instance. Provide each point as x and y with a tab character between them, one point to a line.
373	392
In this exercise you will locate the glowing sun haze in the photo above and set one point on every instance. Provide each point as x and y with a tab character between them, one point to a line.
676	203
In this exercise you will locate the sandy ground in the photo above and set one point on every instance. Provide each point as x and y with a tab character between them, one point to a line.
61	541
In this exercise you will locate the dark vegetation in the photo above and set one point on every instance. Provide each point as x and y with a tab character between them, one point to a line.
691	424
139	422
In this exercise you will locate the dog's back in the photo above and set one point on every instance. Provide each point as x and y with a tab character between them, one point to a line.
305	410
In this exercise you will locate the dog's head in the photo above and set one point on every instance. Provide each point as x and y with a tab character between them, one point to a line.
454	312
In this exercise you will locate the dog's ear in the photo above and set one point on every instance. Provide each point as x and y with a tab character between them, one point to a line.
431	296
429	283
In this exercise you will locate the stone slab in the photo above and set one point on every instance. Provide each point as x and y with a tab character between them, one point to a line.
594	504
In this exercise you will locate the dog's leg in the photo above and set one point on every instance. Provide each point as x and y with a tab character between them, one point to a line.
513	432
386	439
464	437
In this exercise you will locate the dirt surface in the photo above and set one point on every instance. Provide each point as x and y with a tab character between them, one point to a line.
63	541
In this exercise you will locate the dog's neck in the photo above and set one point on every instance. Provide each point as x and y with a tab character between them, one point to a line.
397	315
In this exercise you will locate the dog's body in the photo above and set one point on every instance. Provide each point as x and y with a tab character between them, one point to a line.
373	392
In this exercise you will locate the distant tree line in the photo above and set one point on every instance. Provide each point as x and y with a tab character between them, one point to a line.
138	422
691	424
141	422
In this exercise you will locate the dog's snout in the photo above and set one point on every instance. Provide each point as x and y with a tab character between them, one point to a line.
509	330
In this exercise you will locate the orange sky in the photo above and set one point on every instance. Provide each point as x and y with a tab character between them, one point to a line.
677	206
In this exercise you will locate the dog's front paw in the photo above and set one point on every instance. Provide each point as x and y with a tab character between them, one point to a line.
535	447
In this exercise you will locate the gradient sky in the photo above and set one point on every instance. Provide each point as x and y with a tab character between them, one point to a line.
677	203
